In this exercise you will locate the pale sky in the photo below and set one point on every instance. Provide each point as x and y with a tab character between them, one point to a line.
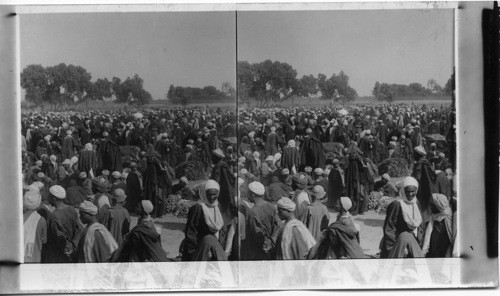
392	46
180	48
199	48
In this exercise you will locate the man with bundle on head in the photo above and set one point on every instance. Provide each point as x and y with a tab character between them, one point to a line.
96	243
294	240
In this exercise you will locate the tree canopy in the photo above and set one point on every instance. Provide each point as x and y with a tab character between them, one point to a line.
269	82
390	92
69	85
187	95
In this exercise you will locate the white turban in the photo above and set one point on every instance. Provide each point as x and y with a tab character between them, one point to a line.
346	203
277	156
37	186
88	207
257	188
291	143
58	192
88	146
420	150
286	204
147	205
32	199
212	184
318	171
74	160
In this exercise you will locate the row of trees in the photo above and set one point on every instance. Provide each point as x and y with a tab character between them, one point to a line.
390	92
69	85
269	82
186	95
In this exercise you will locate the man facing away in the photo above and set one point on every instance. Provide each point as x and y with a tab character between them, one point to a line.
294	240
96	243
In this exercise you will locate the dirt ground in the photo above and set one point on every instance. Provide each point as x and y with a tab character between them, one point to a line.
172	232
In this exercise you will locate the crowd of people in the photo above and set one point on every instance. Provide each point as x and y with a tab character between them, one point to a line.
268	195
86	173
291	184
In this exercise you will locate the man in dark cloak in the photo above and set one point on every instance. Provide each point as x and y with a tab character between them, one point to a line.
291	156
134	188
109	155
358	180
143	243
87	160
221	172
312	152
426	177
264	225
335	186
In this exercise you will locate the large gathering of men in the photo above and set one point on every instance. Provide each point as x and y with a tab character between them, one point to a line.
300	199
291	185
87	173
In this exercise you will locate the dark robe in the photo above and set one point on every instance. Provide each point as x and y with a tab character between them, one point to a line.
53	248
317	218
75	195
68	219
358	181
312	154
119	224
335	188
426	177
155	182
196	229
209	249
272	143
398	236
263	231
440	243
277	190
68	147
290	158
109	156
142	244
87	161
221	173
134	191
341	242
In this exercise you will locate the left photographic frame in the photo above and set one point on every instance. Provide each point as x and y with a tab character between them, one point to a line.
126	123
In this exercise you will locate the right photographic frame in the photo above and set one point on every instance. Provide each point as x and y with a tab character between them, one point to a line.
347	134
355	123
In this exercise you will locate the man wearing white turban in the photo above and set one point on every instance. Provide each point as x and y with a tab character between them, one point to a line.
263	226
204	219
402	231
35	226
294	239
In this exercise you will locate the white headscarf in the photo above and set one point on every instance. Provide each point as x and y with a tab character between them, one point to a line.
411	212
211	212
